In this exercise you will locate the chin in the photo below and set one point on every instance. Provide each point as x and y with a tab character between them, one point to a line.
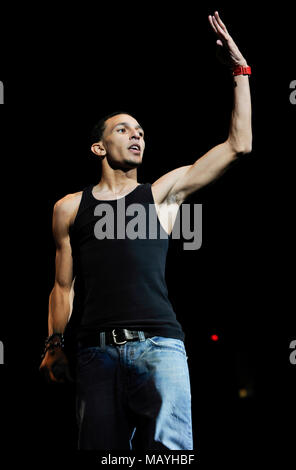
133	163
125	164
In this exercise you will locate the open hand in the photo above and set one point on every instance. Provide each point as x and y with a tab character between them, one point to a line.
228	52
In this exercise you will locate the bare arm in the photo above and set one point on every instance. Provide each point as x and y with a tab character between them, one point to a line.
60	299
54	365
176	185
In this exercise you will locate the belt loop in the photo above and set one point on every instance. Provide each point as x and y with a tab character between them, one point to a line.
102	339
141	335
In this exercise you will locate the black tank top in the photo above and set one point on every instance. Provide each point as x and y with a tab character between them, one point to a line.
120	281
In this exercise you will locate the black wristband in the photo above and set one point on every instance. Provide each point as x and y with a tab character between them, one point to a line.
49	338
50	344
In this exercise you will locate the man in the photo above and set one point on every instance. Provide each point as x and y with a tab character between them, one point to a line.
132	374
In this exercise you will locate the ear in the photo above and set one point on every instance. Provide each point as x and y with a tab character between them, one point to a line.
99	149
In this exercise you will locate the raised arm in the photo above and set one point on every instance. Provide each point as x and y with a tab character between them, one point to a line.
176	185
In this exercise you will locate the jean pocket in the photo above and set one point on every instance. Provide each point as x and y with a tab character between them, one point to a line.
85	356
168	344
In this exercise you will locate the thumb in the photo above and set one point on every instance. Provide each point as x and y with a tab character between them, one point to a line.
219	42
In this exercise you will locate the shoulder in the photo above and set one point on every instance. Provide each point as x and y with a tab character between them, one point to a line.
65	209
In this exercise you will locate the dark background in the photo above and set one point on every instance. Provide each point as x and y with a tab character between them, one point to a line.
62	71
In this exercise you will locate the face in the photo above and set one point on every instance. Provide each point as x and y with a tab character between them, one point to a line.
123	141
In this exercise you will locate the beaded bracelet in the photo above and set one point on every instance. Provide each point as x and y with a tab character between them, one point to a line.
49	345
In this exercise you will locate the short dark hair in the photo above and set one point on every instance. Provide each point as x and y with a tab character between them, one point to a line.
98	129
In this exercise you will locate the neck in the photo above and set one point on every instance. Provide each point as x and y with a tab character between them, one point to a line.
117	180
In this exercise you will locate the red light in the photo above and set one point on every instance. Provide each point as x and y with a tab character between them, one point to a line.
214	337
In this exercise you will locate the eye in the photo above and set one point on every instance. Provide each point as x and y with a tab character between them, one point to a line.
122	129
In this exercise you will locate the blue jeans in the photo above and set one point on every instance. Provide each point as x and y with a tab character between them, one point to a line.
135	396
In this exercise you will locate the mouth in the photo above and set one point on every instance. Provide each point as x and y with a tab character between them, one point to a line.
135	148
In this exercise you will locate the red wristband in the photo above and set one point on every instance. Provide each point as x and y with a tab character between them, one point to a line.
241	70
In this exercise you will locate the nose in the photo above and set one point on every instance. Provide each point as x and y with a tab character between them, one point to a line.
135	134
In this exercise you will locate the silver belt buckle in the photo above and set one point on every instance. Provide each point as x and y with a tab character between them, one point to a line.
115	340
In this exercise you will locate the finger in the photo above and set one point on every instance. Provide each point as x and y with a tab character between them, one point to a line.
212	24
53	378
64	373
44	373
220	31
59	372
220	22
48	375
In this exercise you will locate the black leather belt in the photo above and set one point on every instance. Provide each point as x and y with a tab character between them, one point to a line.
118	336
